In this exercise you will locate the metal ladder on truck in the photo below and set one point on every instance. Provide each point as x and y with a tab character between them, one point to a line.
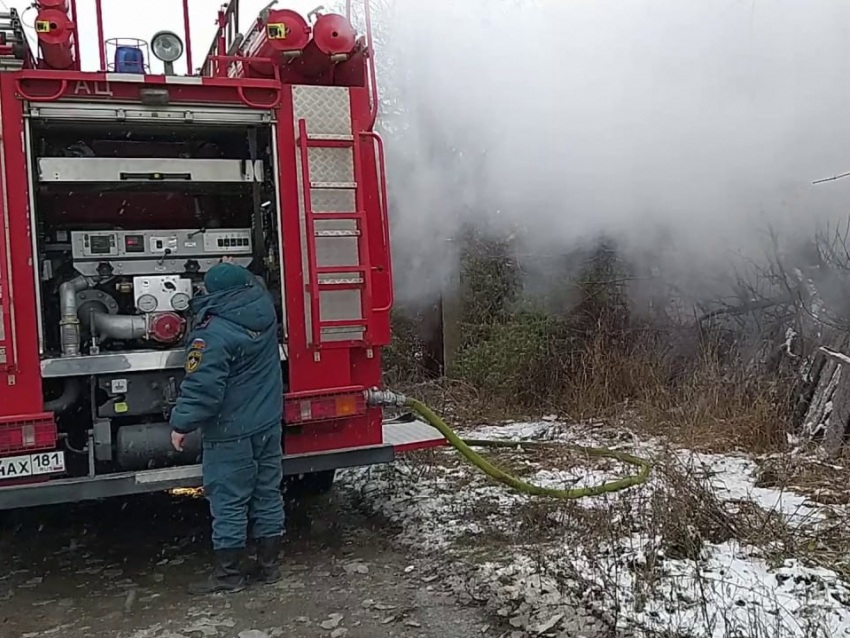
14	48
8	355
7	358
323	278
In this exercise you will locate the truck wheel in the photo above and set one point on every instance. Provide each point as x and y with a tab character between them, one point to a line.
320	482
312	484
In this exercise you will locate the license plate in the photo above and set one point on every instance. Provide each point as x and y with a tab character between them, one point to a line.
32	465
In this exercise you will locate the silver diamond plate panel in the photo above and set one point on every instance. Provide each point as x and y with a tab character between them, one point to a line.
337	251
332	136
330	335
337	233
333	201
334	185
410	433
327	109
341	279
308	317
331	165
335	224
340	305
378	163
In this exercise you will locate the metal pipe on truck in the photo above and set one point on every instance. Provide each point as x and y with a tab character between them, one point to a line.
55	30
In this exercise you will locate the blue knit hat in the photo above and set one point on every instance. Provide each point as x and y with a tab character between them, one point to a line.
225	276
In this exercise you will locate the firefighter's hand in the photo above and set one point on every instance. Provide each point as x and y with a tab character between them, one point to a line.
177	440
227	259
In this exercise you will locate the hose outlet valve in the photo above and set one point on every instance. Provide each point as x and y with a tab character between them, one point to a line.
385	398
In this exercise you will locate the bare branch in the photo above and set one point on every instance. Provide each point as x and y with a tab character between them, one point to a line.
735	311
841	358
831	179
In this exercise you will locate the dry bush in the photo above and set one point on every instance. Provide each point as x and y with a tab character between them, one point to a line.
403	359
491	285
599	359
520	354
712	403
521	362
808	473
607	376
722	405
460	402
634	537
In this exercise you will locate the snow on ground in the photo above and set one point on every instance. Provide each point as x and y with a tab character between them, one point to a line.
730	591
550	579
733	478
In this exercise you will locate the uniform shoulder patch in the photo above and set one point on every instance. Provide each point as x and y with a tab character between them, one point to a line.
197	344
193	361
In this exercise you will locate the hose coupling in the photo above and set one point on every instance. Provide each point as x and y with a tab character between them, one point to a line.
384	398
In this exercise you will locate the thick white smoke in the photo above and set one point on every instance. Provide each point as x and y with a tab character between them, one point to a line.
705	119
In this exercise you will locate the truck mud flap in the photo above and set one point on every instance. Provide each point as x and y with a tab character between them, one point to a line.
398	438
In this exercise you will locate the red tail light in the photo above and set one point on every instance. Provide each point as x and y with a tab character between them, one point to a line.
323	408
19	434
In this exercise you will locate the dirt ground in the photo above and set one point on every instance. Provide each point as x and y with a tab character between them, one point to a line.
119	568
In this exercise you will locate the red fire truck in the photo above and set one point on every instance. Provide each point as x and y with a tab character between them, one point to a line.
120	188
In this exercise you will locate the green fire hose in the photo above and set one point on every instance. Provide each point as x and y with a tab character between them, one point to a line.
393	399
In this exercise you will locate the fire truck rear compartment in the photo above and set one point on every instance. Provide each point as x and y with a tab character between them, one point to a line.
128	218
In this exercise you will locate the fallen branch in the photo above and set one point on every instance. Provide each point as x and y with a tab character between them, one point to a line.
842	359
734	311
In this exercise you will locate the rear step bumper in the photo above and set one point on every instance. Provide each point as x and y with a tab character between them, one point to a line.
398	438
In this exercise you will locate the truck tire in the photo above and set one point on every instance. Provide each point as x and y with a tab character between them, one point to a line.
320	482
312	484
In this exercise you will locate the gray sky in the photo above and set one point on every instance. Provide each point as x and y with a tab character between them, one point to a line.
146	17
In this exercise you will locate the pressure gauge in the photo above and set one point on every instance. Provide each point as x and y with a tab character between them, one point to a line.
180	301
147	303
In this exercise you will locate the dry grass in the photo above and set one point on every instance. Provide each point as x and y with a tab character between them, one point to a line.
458	401
676	521
639	533
403	360
721	407
595	359
681	512
824	481
714	403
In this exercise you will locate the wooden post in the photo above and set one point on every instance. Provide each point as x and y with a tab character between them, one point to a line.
451	307
834	390
431	336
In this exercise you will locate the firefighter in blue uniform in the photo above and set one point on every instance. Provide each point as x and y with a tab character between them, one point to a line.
233	392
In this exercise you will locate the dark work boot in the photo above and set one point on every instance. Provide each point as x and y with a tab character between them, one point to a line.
226	577
267	551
